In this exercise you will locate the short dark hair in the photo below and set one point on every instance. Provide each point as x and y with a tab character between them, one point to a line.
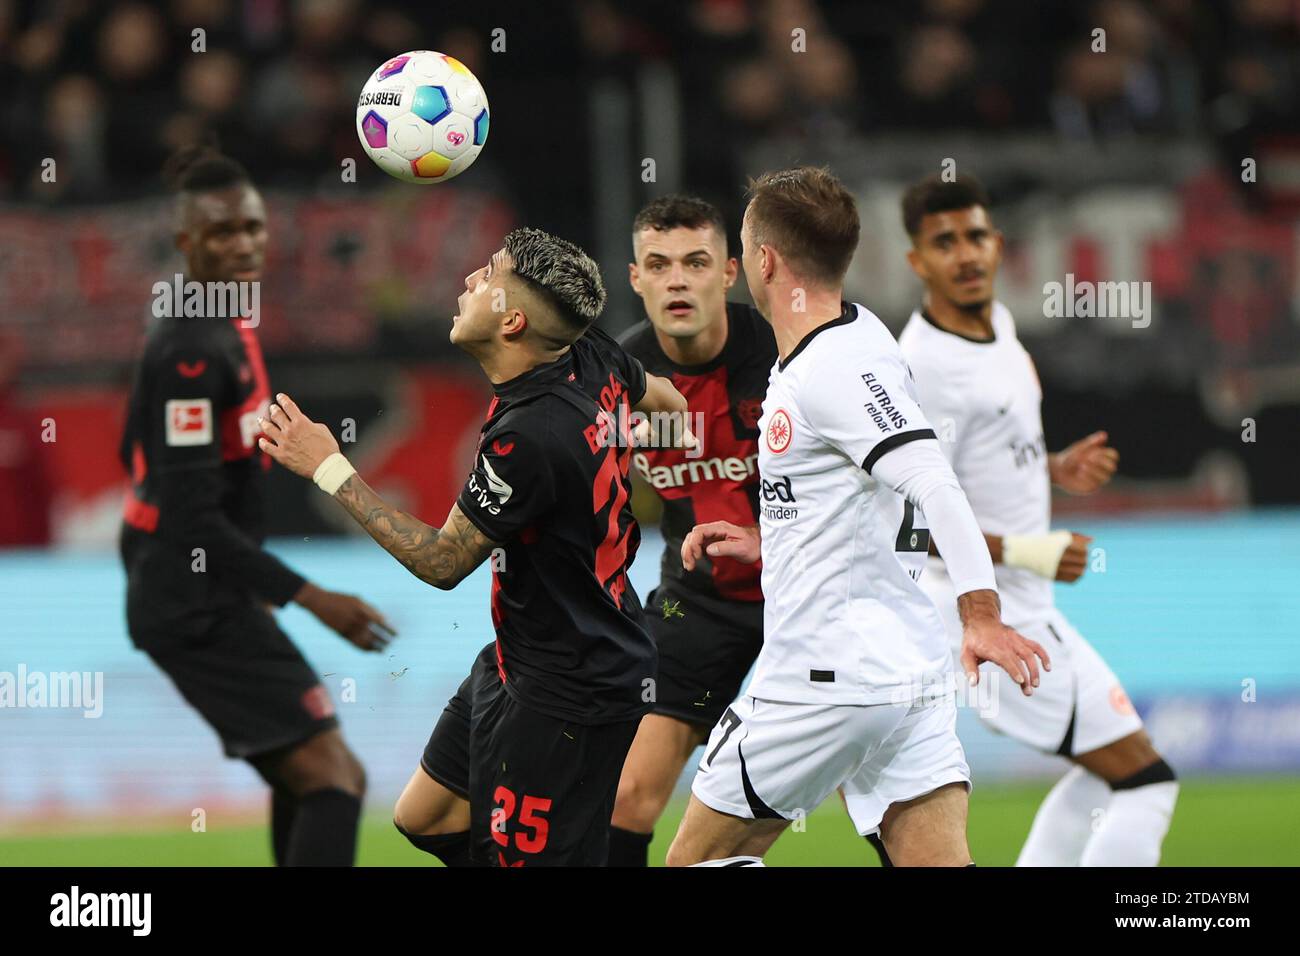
565	276
933	194
679	212
202	168
807	215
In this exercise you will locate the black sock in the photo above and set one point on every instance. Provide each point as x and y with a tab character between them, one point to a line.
284	808
451	848
1158	772
879	844
324	829
627	848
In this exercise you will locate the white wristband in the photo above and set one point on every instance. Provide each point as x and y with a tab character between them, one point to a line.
332	472
1040	553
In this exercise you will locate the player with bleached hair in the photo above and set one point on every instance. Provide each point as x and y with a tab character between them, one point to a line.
523	763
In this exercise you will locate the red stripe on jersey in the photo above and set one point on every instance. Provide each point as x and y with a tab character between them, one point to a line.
239	423
139	465
610	488
135	512
496	599
497	617
140	515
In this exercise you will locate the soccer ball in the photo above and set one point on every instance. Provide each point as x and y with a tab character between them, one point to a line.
422	117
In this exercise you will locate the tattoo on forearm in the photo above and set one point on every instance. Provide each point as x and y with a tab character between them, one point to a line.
438	556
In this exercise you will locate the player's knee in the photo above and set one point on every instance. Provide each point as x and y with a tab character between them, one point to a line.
931	854
356	776
693	844
638	803
403	818
1132	758
339	768
324	763
418	820
1139	748
678	855
430	811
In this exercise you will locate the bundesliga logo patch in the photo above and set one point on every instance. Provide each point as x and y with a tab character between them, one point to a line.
189	421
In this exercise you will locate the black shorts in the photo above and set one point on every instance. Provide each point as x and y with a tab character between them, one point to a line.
548	783
249	681
446	755
706	647
541	788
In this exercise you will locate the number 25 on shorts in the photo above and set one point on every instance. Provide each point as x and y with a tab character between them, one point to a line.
530	817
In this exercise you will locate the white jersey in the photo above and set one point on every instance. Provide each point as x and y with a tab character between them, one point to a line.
845	620
984	399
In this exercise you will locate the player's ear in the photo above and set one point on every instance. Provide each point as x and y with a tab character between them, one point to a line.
634	277
730	272
917	265
514	323
1000	243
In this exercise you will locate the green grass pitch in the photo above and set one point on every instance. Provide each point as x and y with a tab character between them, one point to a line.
1219	822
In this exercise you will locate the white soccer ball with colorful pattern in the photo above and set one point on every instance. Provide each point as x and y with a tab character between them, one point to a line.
423	117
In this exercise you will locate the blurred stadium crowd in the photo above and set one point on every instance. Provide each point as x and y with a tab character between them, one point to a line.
108	89
1125	165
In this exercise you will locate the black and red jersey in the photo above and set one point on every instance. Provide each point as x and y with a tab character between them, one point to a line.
550	482
721	482
193	522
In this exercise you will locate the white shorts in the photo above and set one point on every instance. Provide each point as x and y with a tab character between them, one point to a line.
1078	706
771	760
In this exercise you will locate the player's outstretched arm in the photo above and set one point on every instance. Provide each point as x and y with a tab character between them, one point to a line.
721	539
442	556
662	399
1085	466
348	616
661	396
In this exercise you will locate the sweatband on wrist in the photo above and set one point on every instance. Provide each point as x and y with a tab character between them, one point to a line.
332	472
1040	553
